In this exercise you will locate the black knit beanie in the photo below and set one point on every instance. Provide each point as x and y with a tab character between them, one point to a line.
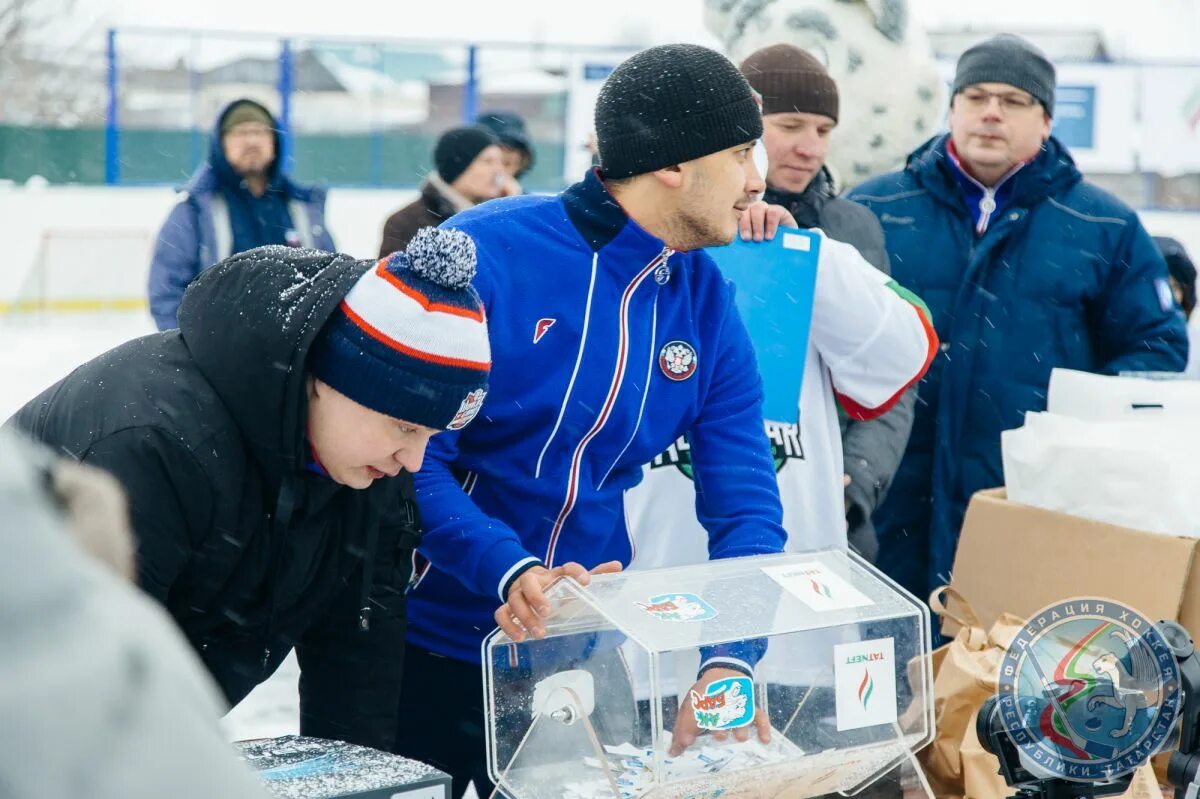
1006	58
671	104
790	79
458	147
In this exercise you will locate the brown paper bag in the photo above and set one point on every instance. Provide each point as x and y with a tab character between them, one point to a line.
981	769
965	675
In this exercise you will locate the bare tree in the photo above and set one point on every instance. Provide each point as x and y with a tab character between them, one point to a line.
44	79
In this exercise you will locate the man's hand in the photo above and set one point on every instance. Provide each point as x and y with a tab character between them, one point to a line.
687	730
527	604
760	221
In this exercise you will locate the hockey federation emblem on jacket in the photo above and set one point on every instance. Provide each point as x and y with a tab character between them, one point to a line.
467	410
677	359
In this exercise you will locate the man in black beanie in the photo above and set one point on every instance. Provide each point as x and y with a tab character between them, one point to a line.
613	333
1027	267
469	170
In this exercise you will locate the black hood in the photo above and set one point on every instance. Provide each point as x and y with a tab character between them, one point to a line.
249	323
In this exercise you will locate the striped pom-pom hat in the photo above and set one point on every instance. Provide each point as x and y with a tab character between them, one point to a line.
410	339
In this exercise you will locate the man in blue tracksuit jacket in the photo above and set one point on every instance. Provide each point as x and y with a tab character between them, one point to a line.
237	200
1026	267
612	334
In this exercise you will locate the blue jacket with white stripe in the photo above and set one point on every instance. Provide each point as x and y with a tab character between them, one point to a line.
606	347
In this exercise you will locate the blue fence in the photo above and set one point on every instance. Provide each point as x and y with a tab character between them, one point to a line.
351	112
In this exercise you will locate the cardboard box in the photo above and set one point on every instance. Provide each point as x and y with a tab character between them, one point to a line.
315	768
1020	559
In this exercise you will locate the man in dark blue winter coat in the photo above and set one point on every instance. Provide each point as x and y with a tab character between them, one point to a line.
237	200
1026	267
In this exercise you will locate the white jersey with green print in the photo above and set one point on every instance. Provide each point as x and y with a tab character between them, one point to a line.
869	340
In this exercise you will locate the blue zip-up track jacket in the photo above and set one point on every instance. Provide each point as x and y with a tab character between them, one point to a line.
582	304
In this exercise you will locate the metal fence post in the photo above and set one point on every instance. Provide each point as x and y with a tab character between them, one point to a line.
194	86
375	176
285	106
470	99
112	139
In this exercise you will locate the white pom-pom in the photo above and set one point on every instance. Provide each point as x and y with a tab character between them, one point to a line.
442	256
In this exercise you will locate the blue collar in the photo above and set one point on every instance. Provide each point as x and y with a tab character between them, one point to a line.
984	203
598	216
311	462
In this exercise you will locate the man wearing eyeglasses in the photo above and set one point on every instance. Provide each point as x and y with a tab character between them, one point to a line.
238	199
1026	267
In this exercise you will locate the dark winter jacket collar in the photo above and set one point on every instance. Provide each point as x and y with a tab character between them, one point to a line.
805	205
599	218
249	323
1051	171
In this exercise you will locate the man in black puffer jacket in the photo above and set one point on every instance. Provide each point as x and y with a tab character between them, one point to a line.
267	447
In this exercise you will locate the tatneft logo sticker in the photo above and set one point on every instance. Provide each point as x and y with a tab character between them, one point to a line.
865	680
816	586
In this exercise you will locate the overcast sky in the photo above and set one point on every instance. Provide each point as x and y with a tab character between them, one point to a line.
1168	29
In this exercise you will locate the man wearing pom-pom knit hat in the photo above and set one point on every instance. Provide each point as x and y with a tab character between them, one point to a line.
267	448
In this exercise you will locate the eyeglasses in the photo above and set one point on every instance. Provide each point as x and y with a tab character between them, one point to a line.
979	99
249	131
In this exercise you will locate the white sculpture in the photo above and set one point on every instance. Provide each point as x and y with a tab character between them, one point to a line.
891	96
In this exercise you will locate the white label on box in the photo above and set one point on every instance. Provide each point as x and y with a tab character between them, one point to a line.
795	241
865	678
430	792
816	586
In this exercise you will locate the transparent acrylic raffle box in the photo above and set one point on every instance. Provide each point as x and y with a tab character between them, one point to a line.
817	649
